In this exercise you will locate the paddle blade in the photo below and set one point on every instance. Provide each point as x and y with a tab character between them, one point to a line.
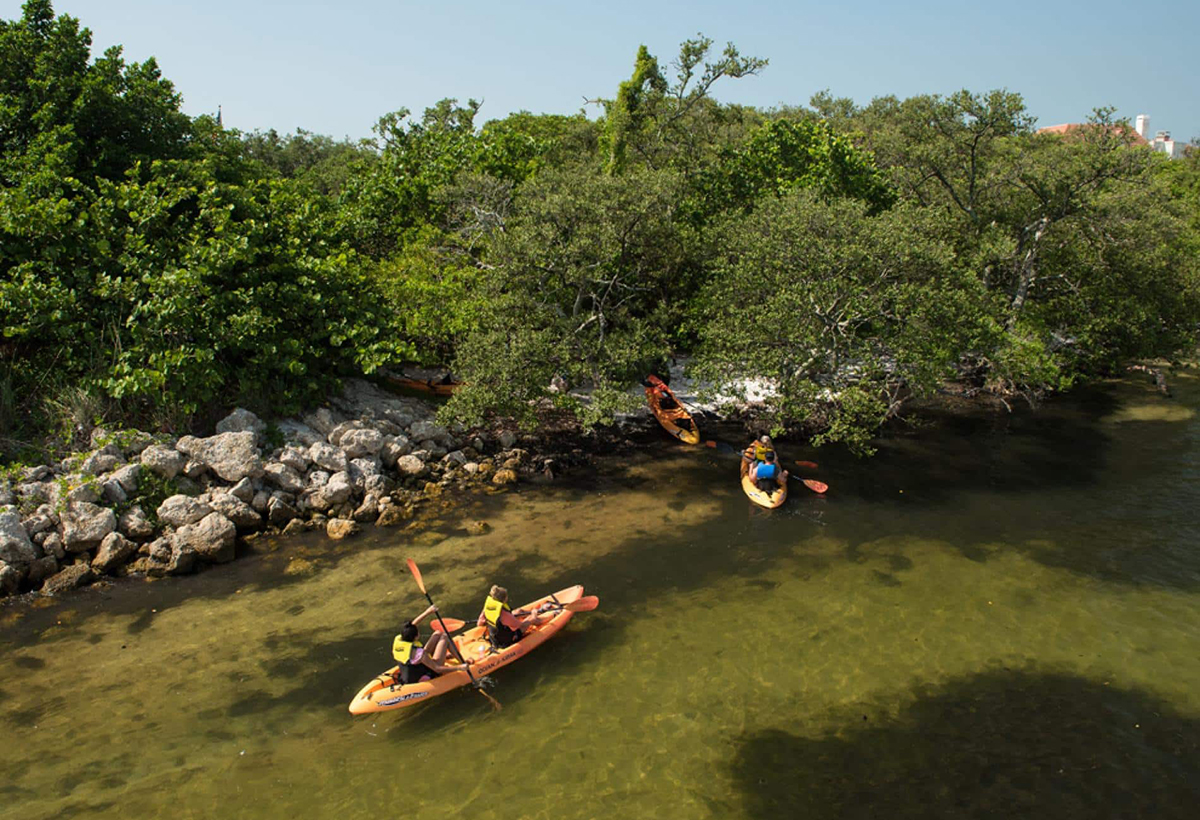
711	444
815	486
416	573
451	624
585	604
812	465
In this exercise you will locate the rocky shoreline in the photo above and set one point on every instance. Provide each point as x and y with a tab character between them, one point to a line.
138	504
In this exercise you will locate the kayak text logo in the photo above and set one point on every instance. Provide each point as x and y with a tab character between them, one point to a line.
402	698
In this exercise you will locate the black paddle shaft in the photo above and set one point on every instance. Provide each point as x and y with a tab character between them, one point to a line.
453	645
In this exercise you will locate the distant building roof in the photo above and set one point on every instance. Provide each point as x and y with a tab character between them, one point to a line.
1066	128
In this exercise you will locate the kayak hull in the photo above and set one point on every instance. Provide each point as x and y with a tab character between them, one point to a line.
436	388
676	421
770	501
383	695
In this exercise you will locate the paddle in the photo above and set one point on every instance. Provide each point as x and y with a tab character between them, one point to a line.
585	604
416	574
818	487
448	625
812	465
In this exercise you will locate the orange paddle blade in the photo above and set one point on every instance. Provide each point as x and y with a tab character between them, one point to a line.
416	573
711	444
452	624
815	486
812	465
585	604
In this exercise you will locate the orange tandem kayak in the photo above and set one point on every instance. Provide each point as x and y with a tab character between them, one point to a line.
675	420
382	694
438	388
772	500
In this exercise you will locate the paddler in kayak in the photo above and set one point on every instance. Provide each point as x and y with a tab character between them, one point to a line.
504	626
757	451
766	473
418	661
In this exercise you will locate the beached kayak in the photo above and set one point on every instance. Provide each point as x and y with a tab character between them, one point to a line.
673	418
438	388
758	496
382	694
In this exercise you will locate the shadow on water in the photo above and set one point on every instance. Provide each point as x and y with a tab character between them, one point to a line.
999	744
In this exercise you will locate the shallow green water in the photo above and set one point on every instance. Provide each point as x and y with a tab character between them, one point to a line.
994	617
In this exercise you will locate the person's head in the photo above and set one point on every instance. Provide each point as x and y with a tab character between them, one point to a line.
769	457
499	593
766	440
409	631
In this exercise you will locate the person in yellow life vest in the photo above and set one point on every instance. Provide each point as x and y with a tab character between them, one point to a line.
504	626
757	451
418	661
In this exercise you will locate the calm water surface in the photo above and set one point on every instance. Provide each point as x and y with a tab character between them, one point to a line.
996	616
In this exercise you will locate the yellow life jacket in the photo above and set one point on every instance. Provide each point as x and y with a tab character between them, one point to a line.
402	650
492	609
760	451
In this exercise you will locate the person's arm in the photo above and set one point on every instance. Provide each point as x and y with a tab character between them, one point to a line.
428	610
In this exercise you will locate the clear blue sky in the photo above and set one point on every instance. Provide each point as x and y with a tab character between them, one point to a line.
334	68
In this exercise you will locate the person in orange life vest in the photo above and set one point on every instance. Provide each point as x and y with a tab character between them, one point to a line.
504	626
418	661
766	474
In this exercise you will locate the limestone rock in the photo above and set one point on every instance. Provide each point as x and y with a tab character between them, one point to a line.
113	493
337	491
317	479
232	456
283	476
194	468
294	526
41	569
211	538
279	512
361	443
10	578
339	528
41	521
377	485
243	490
479	527
239	512
328	457
299	432
72	577
504	476
422	430
411	465
101	462
261	502
7	496
360	469
114	550
295	458
16	549
85	525
181	510
134	524
321	420
507	439
393	516
368	510
53	545
127	477
458	458
393	448
242	421
335	435
163	461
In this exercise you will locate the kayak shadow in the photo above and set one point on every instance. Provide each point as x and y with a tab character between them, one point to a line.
997	744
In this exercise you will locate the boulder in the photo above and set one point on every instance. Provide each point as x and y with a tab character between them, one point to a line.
41	521
296	525
507	439
458	458
279	512
113	493
243	490
337	491
194	468
181	561
16	549
317	478
232	456
114	550
479	528
328	457
181	510
335	435
368	510
295	458
299	432
260	502
41	569
85	525
505	476
283	477
10	578
74	488
134	524
102	462
411	465
7	496
53	545
133	442
470	468
377	485
163	461
321	420
72	577
360	469
422	430
242	421
239	512
339	528
393	448
211	538
127	477
361	443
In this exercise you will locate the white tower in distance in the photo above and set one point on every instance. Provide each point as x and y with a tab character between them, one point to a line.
1143	126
